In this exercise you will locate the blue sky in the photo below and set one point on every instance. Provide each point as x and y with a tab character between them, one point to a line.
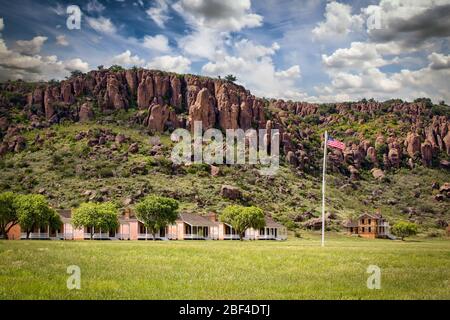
307	50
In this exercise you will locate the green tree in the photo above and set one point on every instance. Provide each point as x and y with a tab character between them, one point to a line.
404	229
99	216
116	68
34	211
156	212
8	213
231	78
242	218
100	67
75	73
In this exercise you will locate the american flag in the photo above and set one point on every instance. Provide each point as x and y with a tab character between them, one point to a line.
335	144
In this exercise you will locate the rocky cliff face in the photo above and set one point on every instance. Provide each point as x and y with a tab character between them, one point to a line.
165	101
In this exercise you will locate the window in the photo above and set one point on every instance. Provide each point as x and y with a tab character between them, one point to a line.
362	221
370	229
362	229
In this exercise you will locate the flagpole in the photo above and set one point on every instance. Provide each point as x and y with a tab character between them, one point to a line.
323	186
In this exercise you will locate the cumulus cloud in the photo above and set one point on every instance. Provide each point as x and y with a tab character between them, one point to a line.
16	65
360	55
219	14
126	59
254	67
157	43
203	43
410	22
372	82
292	72
339	21
30	47
211	22
101	25
159	13
404	27
76	64
177	64
62	41
439	61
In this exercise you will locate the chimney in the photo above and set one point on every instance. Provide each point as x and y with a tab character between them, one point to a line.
212	217
126	213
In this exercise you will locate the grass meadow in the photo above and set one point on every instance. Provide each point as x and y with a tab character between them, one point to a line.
294	269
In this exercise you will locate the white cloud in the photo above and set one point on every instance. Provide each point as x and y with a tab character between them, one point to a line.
15	65
254	68
218	14
410	22
159	13
360	55
249	50
211	22
157	43
203	43
62	41
30	47
338	22
101	24
76	64
126	59
291	73
177	64
439	61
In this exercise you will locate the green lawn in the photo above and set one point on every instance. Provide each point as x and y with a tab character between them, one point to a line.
295	269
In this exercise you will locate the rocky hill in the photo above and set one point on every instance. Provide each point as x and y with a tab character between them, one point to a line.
84	137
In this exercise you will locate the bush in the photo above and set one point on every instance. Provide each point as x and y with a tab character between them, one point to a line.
106	173
404	229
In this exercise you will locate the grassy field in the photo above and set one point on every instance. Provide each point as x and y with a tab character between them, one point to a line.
295	269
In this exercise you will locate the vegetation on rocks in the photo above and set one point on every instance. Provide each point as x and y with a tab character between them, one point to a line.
105	136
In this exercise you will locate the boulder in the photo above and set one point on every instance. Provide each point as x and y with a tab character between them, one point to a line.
120	138
131	78
292	159
445	164
394	158
158	117
134	148
412	144
203	110
354	173
215	171
227	105
86	113
145	93
378	174
426	150
230	192
446	141
445	188
372	155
